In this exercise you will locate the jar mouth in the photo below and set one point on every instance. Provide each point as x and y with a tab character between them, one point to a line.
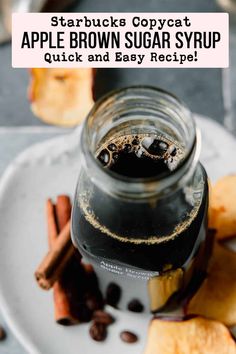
154	183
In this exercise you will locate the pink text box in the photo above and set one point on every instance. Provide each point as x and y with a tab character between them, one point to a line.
203	26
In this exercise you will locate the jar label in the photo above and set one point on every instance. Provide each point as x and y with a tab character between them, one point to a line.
126	271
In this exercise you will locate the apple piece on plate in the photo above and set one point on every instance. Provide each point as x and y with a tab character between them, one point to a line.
195	335
216	298
61	96
222	211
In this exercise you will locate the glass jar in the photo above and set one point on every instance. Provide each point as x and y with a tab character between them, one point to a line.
145	236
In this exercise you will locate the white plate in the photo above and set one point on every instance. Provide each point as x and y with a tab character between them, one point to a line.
48	169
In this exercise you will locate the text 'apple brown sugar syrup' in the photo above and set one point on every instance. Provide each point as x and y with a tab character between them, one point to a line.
140	209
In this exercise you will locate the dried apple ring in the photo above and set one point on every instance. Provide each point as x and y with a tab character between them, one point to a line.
196	335
61	96
216	298
222	211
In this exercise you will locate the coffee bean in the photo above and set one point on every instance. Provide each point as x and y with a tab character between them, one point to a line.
98	331
2	334
113	294
135	306
128	337
103	317
104	157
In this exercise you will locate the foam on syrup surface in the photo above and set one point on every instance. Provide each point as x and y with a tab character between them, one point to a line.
140	156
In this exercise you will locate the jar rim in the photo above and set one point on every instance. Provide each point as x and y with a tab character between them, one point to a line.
151	183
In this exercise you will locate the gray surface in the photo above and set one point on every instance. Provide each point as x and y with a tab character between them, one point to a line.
201	89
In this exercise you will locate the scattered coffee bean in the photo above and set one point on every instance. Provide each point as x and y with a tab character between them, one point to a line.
2	334
98	331
113	294
128	337
103	317
135	306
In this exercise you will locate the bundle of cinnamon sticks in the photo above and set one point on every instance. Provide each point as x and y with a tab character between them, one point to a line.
75	287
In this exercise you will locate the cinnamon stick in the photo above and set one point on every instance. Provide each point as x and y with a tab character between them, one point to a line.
56	259
51	223
63	211
62	301
75	288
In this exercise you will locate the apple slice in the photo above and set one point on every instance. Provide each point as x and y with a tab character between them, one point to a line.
196	335
216	298
61	96
222	211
